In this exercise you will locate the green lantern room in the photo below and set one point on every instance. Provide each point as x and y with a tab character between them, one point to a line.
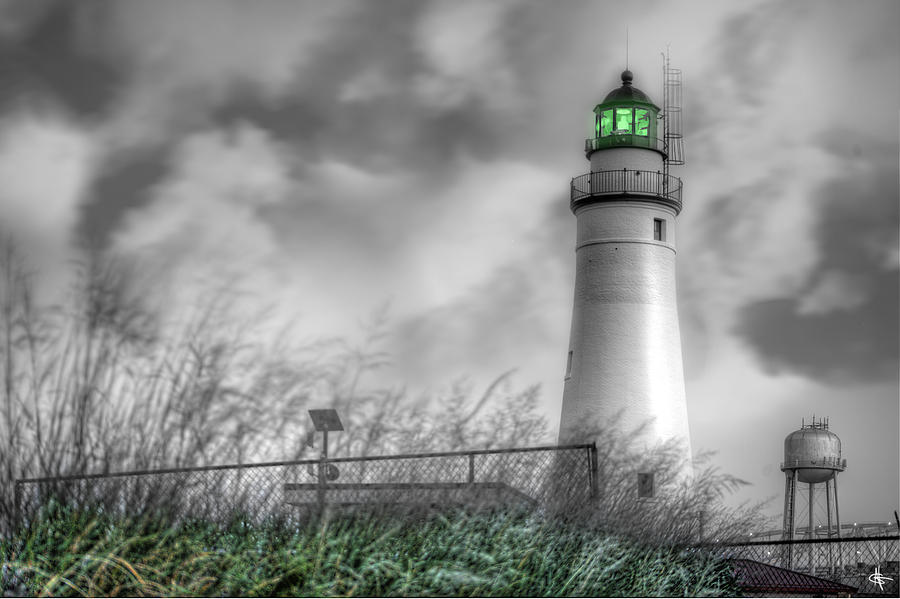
626	117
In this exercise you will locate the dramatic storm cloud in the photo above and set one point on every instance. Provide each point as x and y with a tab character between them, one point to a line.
43	209
842	325
324	159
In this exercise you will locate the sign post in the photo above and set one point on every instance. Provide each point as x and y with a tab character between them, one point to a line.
324	421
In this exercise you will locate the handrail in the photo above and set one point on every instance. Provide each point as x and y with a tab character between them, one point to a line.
830	462
727	543
592	144
655	185
312	461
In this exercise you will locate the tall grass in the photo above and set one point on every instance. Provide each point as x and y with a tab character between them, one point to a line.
102	382
688	506
69	553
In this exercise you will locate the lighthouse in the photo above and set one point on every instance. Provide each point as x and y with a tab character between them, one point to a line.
624	364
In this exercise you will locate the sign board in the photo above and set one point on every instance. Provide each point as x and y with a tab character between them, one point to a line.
326	420
331	471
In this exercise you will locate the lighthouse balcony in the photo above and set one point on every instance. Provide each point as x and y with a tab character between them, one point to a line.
613	185
619	139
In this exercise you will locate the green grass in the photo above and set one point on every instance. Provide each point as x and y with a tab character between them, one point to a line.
68	553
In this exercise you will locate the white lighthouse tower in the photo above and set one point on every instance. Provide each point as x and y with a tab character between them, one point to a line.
624	364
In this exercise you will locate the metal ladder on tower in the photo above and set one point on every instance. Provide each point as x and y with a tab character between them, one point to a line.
673	138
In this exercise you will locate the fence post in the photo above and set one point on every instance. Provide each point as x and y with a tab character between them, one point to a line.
17	497
471	468
595	483
323	457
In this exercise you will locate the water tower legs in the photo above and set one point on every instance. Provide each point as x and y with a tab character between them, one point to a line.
808	560
809	529
787	529
828	534
837	512
790	502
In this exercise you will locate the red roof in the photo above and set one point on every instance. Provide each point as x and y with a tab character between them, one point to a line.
757	577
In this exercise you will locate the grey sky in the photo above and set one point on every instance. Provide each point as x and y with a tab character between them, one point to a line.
328	157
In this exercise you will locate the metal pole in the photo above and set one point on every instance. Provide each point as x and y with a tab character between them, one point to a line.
828	532
837	521
809	531
17	497
837	512
471	469
322	457
595	467
700	518
786	520
793	522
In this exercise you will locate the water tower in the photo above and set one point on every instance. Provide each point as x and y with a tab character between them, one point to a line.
812	457
624	363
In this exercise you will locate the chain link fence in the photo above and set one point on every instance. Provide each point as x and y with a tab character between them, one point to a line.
868	564
548	477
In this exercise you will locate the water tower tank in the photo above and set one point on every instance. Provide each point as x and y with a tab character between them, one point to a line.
814	453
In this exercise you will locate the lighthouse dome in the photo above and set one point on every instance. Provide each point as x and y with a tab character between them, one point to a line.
627	92
626	117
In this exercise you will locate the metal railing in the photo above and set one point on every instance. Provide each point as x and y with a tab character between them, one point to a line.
832	462
859	562
616	140
848	529
626	182
563	476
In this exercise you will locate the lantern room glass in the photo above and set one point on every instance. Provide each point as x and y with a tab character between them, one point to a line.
606	123
641	121
624	118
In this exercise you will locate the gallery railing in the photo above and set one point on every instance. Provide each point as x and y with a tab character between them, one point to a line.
622	140
831	462
647	184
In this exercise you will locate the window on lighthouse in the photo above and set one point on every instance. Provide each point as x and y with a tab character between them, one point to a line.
659	229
